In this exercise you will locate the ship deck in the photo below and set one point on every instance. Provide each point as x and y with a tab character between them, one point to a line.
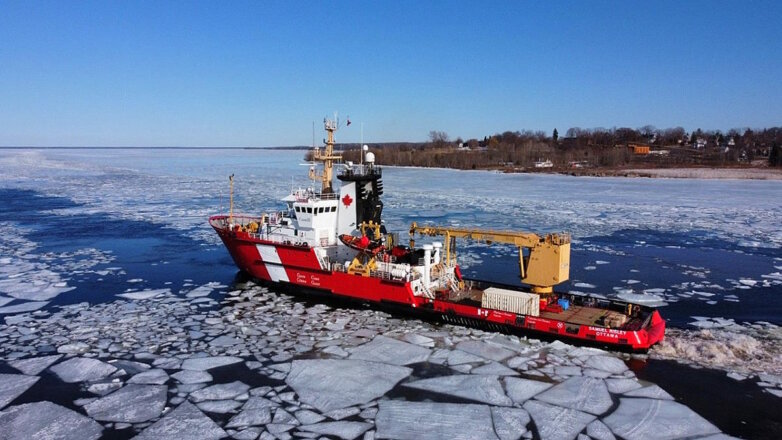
581	315
575	314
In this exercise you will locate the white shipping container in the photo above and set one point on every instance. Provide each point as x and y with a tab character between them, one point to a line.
521	303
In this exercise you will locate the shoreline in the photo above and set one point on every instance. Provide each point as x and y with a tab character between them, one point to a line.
686	173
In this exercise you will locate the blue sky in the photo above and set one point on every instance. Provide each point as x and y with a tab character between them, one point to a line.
133	73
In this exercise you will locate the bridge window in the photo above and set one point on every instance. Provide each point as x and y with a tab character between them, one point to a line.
333	209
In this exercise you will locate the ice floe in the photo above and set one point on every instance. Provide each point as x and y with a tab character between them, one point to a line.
329	384
521	390
13	385
510	423
207	363
485	389
341	429
82	369
584	394
46	420
220	392
416	420
186	421
23	307
33	366
144	294
132	403
390	351
485	350
637	418
557	423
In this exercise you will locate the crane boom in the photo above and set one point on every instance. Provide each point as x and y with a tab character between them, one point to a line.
547	264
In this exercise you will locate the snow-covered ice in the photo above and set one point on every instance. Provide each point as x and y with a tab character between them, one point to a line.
610	364
33	366
390	351
417	420
342	429
192	376
251	417
509	423
132	403
82	369
13	385
154	376
46	420
485	350
585	394
485	389
329	384
220	391
184	422
207	363
144	294
520	390
638	418
555	422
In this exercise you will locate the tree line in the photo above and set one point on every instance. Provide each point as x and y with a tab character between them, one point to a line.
596	147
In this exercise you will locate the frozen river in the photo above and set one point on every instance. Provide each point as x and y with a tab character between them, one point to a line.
123	311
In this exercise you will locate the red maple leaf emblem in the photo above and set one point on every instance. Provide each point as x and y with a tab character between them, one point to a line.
347	200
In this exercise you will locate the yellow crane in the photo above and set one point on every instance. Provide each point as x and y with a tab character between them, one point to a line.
547	264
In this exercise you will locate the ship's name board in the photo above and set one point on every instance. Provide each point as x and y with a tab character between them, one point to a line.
607	332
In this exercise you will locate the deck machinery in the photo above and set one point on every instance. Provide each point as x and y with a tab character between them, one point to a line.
334	242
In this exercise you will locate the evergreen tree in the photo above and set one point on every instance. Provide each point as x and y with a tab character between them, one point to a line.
555	135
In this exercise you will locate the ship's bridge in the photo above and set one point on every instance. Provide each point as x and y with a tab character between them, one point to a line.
315	216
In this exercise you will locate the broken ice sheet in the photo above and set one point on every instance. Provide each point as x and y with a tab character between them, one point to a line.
46	420
33	366
485	350
144	294
485	389
207	363
580	393
390	351
509	423
419	420
184	422
82	369
23	307
133	403
329	384
520	390
555	422
220	391
13	385
641	418
341	429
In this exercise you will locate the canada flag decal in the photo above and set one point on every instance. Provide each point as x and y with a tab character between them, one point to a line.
347	200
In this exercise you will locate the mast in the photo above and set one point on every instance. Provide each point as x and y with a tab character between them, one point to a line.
231	215
327	157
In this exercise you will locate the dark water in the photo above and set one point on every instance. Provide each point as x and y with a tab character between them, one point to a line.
739	408
161	257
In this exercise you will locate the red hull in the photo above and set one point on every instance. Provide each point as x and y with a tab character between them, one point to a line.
297	265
